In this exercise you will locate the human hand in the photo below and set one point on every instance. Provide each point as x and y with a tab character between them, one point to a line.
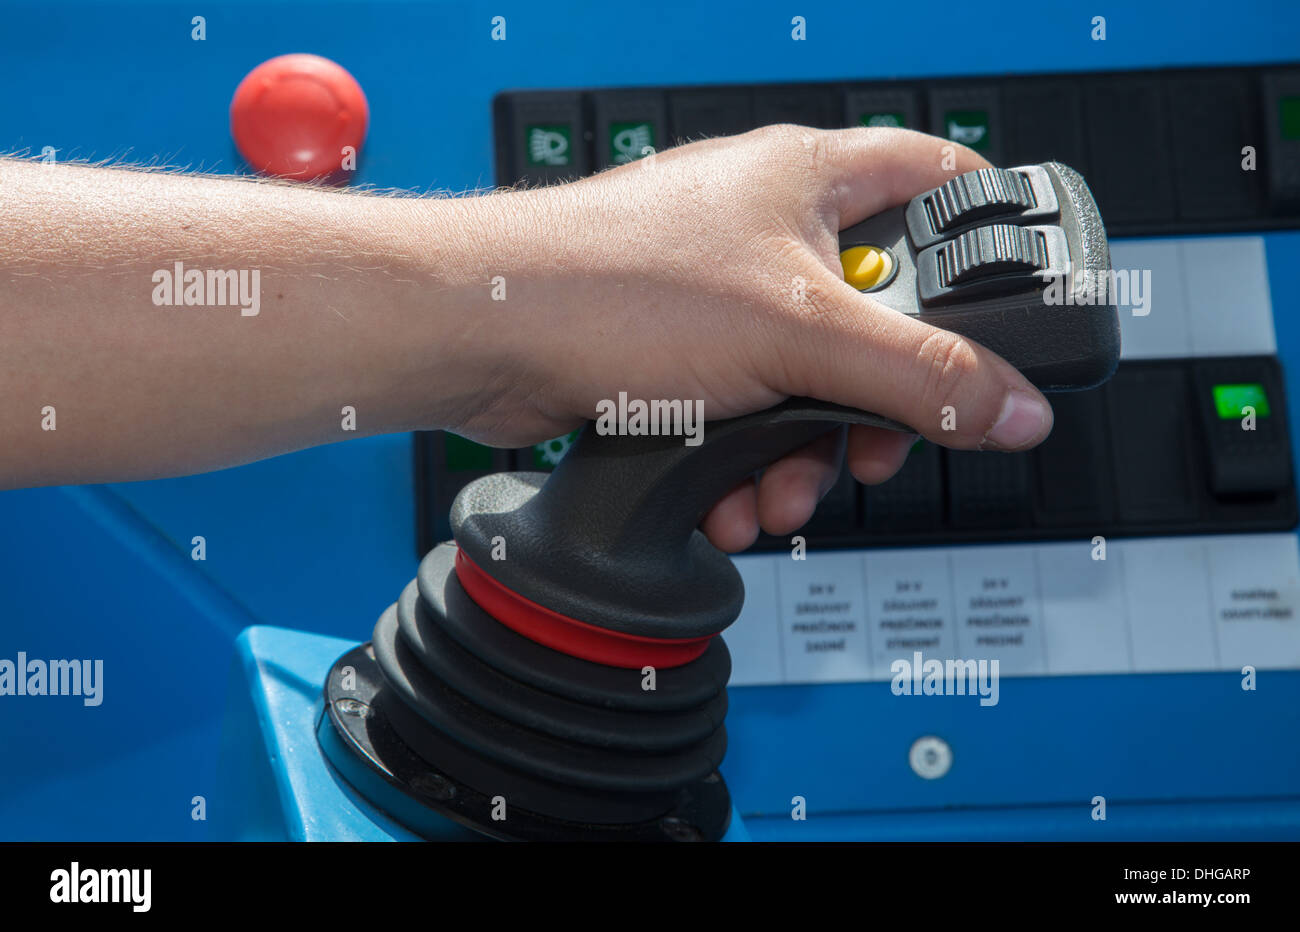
711	271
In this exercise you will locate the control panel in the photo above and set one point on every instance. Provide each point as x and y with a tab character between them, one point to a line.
1152	533
1160	448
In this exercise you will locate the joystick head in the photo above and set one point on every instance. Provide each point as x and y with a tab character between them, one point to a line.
1014	258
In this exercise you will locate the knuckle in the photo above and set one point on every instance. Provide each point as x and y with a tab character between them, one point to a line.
816	301
802	328
820	151
950	364
804	147
782	132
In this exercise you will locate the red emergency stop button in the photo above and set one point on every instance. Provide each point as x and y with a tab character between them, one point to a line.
299	116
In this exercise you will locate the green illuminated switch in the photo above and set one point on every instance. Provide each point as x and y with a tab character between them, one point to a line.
883	119
629	125
549	145
630	141
547	455
543	138
461	455
1281	159
1289	118
1240	403
970	114
887	107
968	127
1233	402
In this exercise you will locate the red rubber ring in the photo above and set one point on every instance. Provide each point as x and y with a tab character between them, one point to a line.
569	636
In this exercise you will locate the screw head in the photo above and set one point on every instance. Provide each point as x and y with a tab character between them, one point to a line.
679	829
354	707
930	757
433	785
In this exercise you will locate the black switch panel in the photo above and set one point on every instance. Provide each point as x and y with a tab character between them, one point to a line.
696	114
1072	466
627	125
1242	418
805	106
913	500
1129	151
839	509
989	490
1212	119
1150	421
1162	150
1043	122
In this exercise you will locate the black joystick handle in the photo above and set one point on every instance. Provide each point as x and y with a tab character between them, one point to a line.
639	491
610	537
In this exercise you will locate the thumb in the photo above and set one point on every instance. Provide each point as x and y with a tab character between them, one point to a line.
871	169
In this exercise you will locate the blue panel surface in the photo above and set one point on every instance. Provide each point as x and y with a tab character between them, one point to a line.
274	781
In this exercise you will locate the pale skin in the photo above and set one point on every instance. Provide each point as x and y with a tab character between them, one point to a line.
669	278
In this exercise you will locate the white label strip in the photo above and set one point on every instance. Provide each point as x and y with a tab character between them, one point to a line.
1165	604
1188	297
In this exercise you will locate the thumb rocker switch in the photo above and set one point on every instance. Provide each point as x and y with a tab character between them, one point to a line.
986	194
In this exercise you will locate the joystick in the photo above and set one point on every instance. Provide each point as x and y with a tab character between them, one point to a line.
556	672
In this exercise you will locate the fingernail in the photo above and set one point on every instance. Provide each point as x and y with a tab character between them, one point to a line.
1022	421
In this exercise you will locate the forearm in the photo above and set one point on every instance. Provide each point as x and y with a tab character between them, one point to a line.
380	304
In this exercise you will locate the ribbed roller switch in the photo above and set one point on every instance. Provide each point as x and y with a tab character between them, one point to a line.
975	195
992	250
996	260
1006	195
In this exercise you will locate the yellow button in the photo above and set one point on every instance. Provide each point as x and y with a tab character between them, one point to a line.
865	266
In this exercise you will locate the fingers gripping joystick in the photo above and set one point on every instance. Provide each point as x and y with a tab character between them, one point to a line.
556	671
